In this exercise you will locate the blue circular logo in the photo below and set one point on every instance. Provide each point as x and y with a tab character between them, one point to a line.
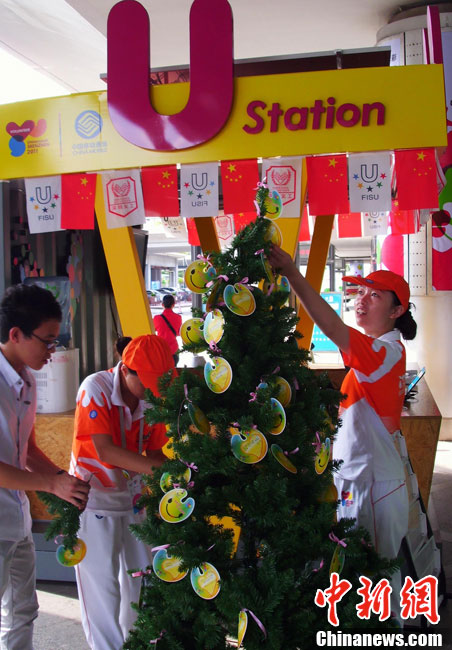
88	124
93	414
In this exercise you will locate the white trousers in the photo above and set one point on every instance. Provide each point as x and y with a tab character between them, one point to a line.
105	589
382	508
19	604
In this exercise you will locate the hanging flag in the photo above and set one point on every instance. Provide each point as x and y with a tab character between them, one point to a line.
370	181
416	175
284	176
242	219
239	179
160	193
43	203
123	198
199	190
304	234
78	193
193	237
349	225
442	239
375	223
224	225
403	222
327	184
173	226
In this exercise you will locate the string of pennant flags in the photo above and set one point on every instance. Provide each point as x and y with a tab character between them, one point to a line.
369	192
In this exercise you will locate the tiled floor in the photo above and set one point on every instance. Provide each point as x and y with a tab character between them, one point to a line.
58	625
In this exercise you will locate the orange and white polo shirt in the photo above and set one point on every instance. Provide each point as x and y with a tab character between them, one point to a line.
99	401
371	410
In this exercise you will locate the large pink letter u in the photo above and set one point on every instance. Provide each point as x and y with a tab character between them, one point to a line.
211	77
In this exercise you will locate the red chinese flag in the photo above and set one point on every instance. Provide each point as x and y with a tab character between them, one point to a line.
416	179
242	219
349	225
304	235
160	194
193	237
78	193
403	222
239	179
327	184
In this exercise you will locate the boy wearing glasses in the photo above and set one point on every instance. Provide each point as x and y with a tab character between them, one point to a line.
112	447
29	324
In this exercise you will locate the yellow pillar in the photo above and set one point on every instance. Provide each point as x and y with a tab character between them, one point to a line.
207	234
125	273
318	256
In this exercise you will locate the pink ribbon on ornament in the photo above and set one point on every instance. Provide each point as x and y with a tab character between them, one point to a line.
58	539
321	565
203	258
139	574
294	451
160	548
317	444
155	641
260	625
295	383
213	346
261	250
245	282
253	397
333	538
271	289
262	184
223	277
277	369
189	465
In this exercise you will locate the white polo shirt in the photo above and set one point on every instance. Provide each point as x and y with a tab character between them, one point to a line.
17	416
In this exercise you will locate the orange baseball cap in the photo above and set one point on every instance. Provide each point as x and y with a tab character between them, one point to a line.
150	357
384	281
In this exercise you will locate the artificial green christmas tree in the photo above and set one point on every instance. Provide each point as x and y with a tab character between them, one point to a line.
251	438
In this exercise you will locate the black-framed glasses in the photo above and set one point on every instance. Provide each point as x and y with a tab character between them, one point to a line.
49	344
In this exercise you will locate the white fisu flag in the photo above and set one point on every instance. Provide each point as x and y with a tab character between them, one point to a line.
369	180
43	203
375	223
284	176
123	198
199	190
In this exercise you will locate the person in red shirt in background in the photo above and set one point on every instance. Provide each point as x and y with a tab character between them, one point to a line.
371	480
112	447
167	325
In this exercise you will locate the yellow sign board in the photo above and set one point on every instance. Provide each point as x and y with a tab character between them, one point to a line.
336	111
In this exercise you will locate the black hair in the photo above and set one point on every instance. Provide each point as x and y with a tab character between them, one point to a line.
27	306
121	343
405	323
168	301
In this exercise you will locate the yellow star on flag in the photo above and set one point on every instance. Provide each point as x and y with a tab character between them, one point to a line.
421	155
231	167
166	174
332	162
84	181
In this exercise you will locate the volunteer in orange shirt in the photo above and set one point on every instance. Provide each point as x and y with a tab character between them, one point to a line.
109	440
371	481
167	325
